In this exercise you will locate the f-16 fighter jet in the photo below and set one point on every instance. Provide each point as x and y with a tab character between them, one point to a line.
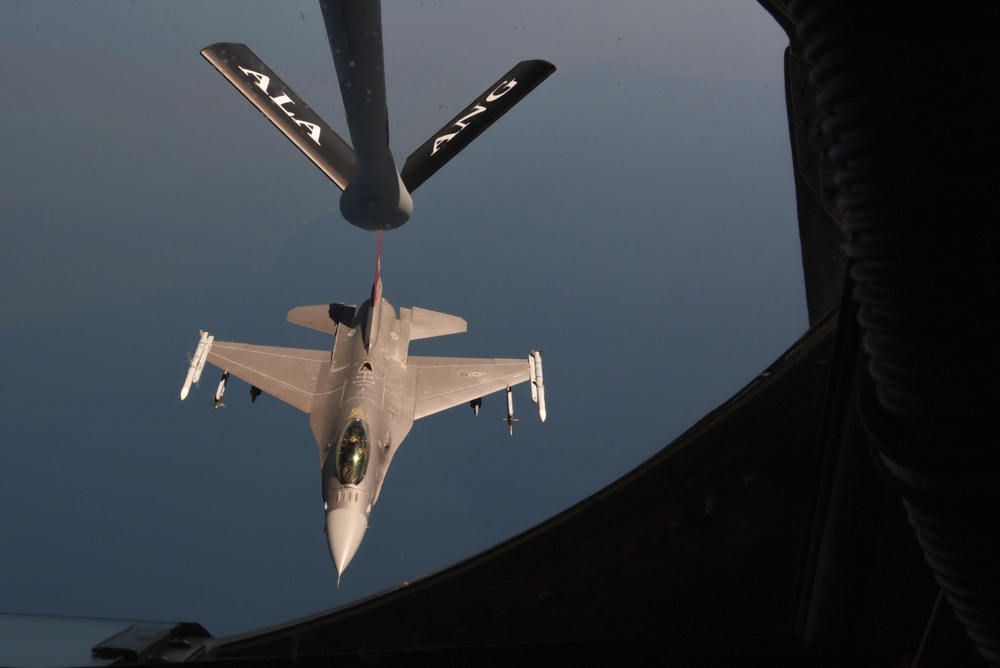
363	396
375	195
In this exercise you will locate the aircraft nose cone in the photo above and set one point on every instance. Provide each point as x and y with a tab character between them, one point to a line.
345	527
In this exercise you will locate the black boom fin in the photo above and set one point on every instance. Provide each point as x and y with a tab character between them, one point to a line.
474	119
284	108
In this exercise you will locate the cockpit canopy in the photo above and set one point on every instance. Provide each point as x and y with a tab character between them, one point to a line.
352	456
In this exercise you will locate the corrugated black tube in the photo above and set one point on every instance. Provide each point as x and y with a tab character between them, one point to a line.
911	92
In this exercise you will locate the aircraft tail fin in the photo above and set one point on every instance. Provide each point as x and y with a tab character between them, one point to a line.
284	108
473	120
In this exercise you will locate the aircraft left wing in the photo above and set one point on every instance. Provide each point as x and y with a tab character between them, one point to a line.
443	382
290	374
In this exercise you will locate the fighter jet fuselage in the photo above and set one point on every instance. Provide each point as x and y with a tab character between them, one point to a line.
360	423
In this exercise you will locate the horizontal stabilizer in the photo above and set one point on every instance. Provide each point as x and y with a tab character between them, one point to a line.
323	317
284	108
425	324
474	119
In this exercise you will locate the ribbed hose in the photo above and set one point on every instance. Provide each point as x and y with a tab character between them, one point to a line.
912	97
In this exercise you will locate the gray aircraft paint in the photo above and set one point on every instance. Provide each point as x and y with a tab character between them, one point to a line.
366	389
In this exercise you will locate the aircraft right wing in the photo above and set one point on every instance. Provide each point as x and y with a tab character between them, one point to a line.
290	374
443	382
284	108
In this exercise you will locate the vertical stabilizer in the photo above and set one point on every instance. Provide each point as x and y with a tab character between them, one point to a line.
374	320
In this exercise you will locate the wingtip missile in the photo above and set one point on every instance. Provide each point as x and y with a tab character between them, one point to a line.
532	378
197	363
538	383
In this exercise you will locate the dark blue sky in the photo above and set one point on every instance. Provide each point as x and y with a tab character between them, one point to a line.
633	217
